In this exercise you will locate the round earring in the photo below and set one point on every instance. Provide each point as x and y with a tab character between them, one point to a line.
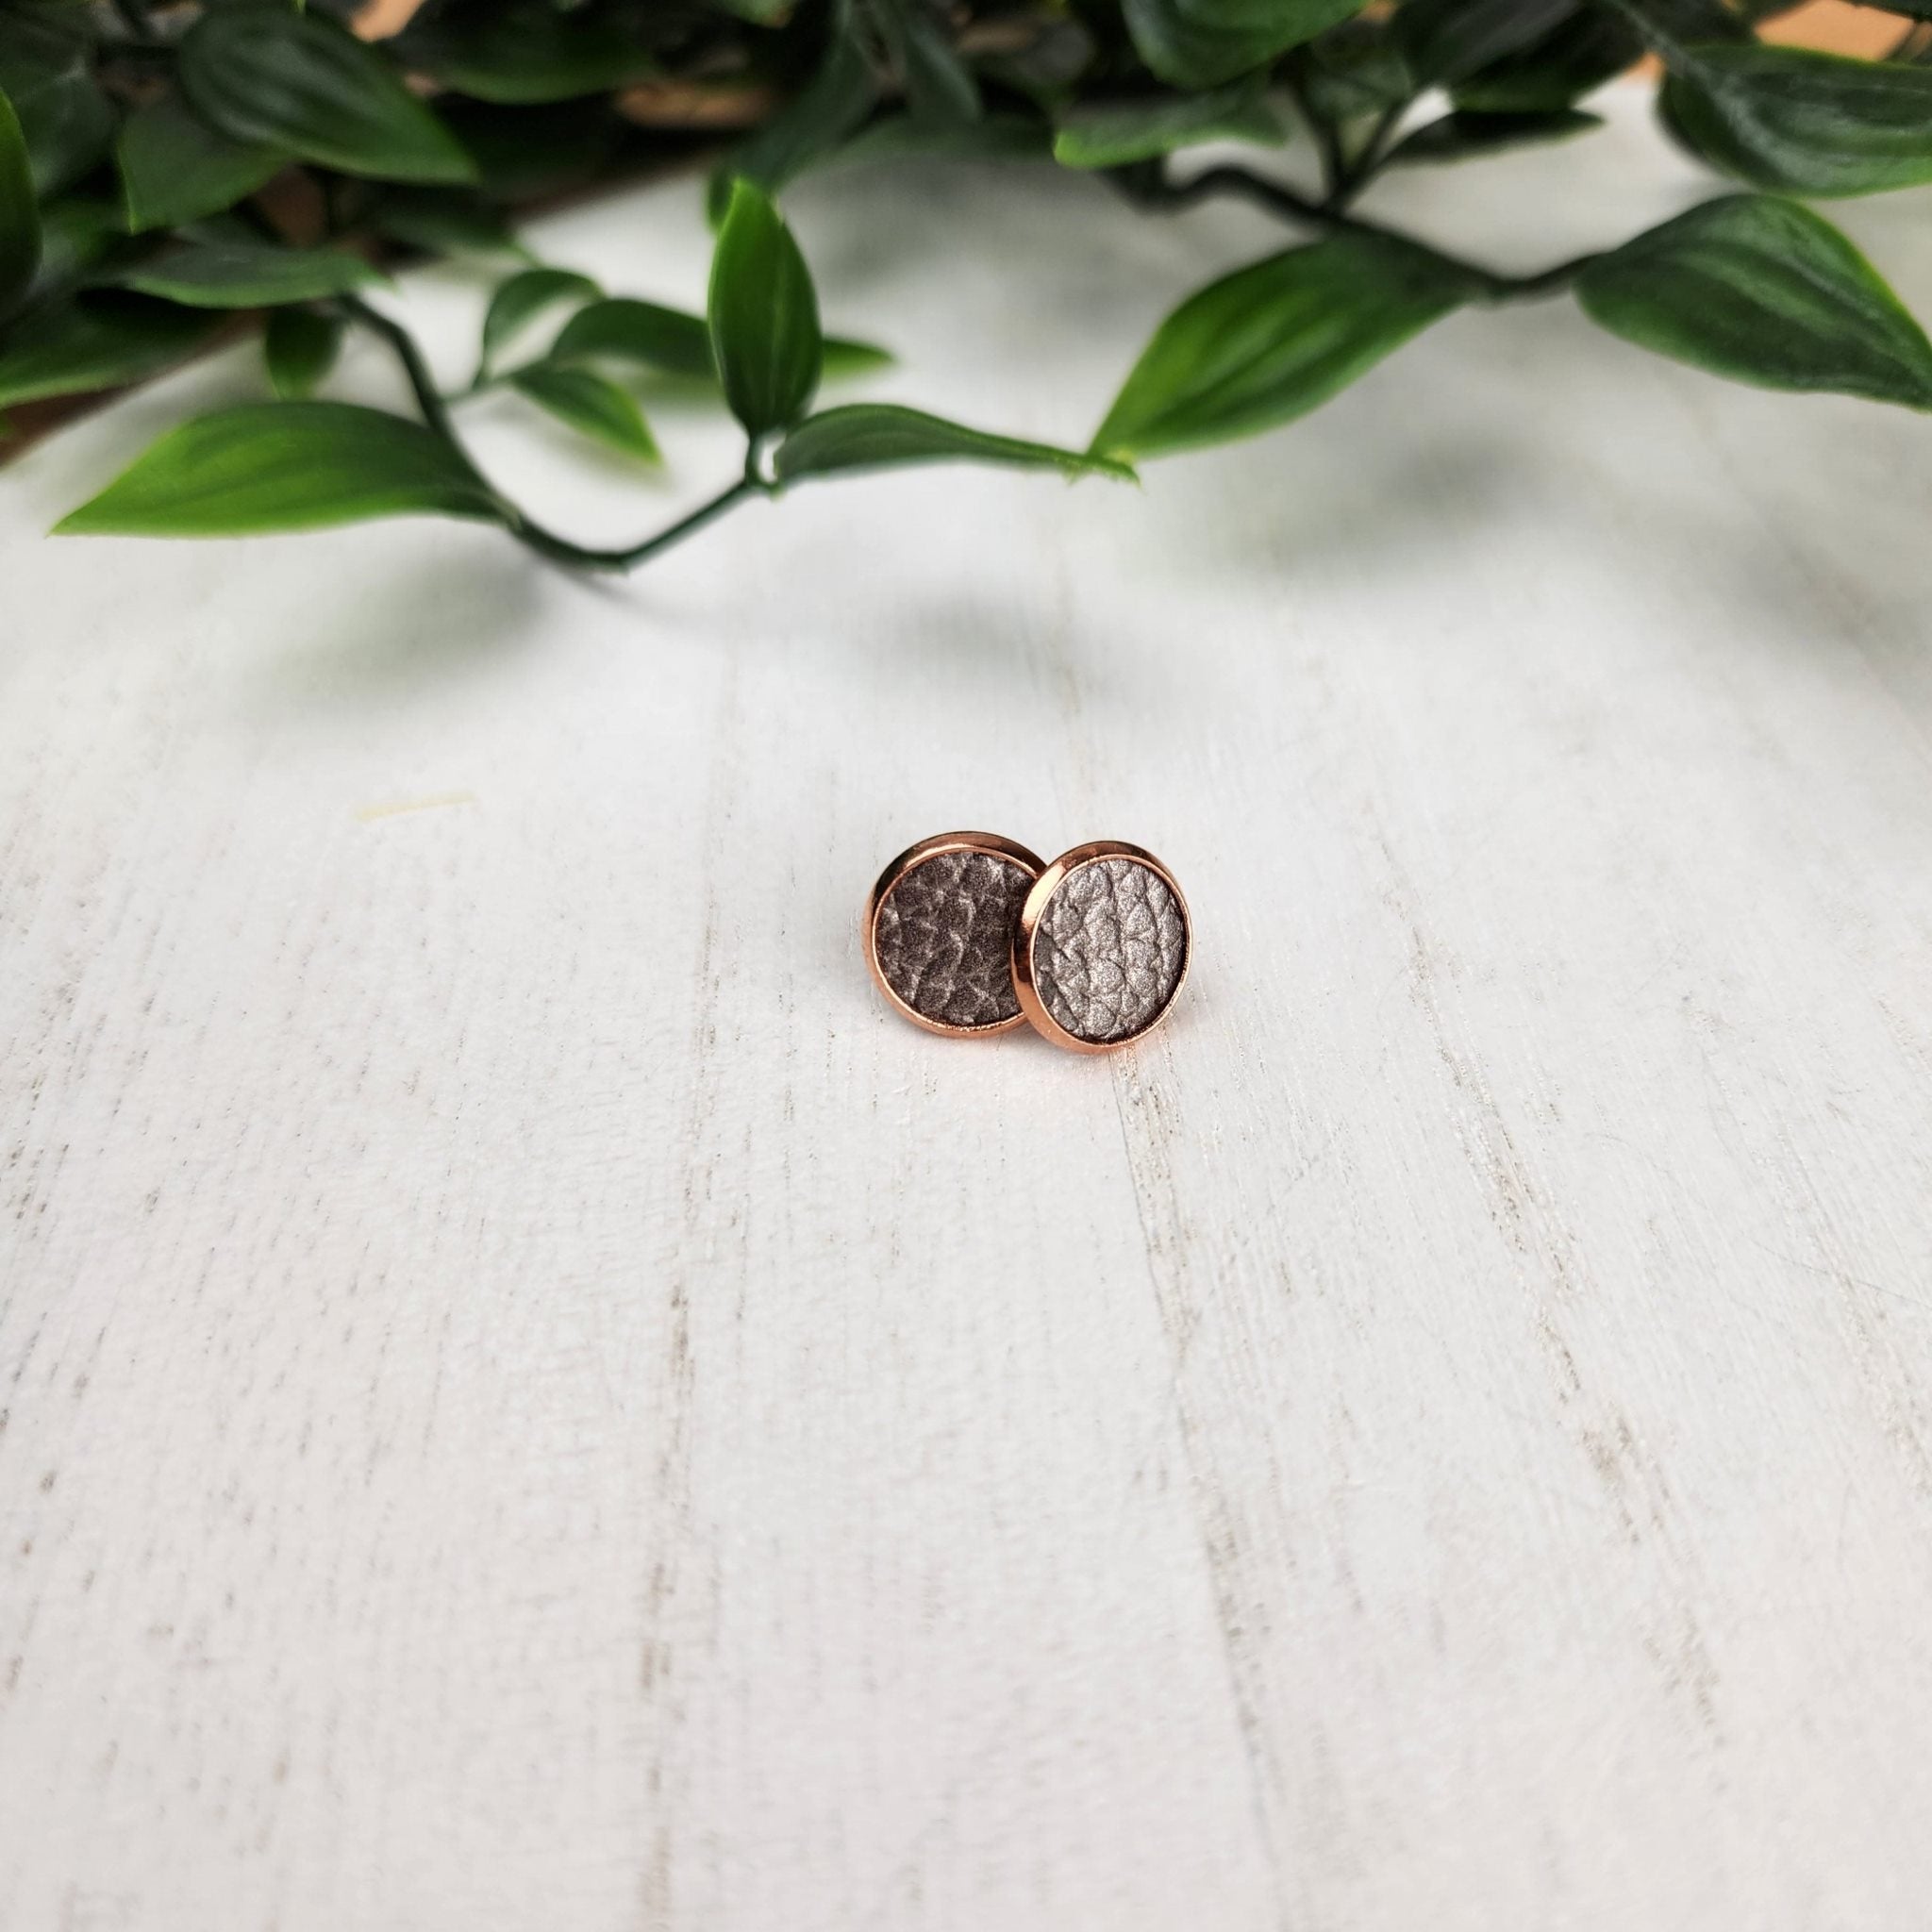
1102	946
938	931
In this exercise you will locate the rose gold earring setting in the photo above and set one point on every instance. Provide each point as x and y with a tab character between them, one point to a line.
1102	946
939	928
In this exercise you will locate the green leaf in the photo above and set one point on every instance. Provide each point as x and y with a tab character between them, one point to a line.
1811	124
301	82
285	466
45	70
845	357
1446	41
673	343
46	35
446	220
627	330
1196	44
523	297
1273	341
523	152
940	86
839	97
249	275
79	242
175	168
993	137
20	213
591	406
100	342
1573	59
878	436
1112	134
1466	136
527	52
300	346
1354	70
764	316
1672	26
1767	292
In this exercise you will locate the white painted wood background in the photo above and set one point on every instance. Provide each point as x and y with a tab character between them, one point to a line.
531	1401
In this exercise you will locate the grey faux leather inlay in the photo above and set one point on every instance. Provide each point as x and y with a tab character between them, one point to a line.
1109	949
943	937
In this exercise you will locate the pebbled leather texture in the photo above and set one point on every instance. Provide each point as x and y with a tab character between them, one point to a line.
1109	949
943	937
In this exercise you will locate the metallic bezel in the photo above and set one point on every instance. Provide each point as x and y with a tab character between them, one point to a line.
1032	1007
1029	862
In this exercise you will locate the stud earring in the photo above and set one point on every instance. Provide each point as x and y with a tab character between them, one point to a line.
938	931
1101	947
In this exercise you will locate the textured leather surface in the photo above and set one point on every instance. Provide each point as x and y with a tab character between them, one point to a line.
945	933
1109	949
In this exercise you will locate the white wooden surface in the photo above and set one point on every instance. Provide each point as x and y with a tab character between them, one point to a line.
530	1401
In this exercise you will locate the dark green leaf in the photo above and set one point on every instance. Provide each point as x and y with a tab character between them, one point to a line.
1764	292
175	167
593	405
66	121
1115	133
523	297
807	127
1196	44
1446	41
940	86
1573	59
46	35
1812	123
79	241
876	436
625	330
764	316
1355	69
759	13
100	342
446	220
285	466
248	275
519	152
20	214
300	82
1675	24
1271	341
69	127
993	137
1462	137
300	346
529	52
845	358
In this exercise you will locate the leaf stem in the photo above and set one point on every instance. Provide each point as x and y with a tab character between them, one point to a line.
1231	181
1367	163
561	550
1328	144
528	532
428	397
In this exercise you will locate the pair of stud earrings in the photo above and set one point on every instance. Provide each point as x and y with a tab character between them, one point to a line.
969	933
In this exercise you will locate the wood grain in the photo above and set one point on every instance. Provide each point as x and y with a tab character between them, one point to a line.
531	1400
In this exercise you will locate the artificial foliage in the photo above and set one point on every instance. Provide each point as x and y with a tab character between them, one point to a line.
174	171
